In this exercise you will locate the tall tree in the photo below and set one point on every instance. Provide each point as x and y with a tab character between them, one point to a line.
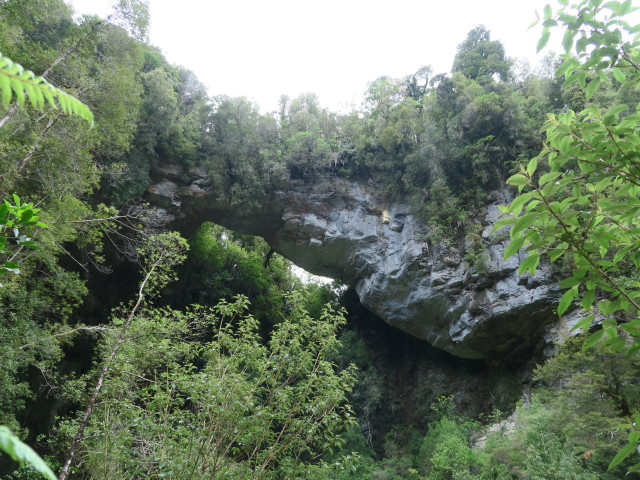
480	58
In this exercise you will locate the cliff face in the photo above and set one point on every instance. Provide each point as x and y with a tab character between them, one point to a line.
425	289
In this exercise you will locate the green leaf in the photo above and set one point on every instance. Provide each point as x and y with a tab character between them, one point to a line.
602	184
588	299
567	40
518	179
22	453
566	68
523	222
531	166
613	6
555	254
621	254
592	339
592	87
615	345
515	207
14	78
581	44
26	216
529	264
532	204
625	7
5	88
584	323
502	223
548	177
514	247
616	109
544	39
18	88
619	75
622	454
566	300
632	327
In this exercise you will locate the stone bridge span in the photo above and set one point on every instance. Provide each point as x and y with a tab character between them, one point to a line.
380	249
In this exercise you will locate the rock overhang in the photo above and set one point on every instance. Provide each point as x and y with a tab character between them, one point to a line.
385	253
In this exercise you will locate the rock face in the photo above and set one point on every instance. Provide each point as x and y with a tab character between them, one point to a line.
425	289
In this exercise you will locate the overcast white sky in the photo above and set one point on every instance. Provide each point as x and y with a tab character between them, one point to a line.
262	49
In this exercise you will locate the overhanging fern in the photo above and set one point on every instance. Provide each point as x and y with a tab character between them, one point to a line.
15	80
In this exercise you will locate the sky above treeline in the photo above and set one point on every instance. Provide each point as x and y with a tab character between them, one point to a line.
262	49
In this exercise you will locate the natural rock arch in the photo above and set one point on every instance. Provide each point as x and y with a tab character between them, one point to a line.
383	252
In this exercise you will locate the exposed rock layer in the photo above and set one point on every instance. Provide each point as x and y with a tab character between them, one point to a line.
425	289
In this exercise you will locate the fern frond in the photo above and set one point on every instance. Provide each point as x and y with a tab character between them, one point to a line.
15	80
22	453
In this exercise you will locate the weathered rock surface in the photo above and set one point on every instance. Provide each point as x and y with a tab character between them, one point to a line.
425	289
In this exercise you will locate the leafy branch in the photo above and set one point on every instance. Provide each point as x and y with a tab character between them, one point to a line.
14	217
21	83
160	253
584	205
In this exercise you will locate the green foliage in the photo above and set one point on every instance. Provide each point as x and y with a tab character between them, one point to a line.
582	207
309	155
449	141
594	218
23	454
183	404
571	426
533	453
160	254
445	452
476	252
14	79
133	15
15	217
443	210
244	152
200	393
222	264
480	58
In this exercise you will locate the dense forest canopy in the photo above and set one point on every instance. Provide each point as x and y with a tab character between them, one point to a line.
239	370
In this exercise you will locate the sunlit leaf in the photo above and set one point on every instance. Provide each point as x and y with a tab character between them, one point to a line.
544	39
566	300
592	87
567	41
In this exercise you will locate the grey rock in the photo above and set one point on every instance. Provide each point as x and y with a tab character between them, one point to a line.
385	253
162	193
170	171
